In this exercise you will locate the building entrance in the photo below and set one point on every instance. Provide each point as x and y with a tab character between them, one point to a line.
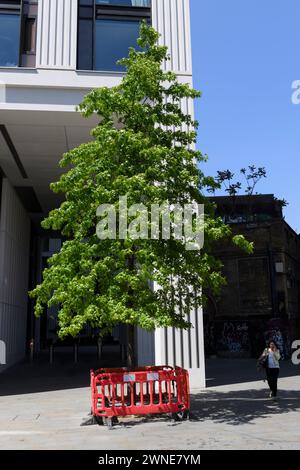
43	335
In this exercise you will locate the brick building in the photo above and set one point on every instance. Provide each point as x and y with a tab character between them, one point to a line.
262	297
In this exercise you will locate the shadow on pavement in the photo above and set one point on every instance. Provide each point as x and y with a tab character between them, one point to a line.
240	407
63	374
234	371
40	376
232	408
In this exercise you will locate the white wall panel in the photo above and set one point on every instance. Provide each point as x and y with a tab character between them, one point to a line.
14	259
57	34
172	20
183	348
174	347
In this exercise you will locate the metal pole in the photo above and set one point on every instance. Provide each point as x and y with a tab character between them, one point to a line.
99	348
75	353
51	350
123	352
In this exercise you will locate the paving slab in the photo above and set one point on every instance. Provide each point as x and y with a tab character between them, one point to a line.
230	416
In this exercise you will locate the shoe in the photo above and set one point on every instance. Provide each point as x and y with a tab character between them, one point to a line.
270	395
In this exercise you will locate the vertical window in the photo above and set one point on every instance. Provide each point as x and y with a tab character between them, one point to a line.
28	34
126	3
10	27
113	39
107	28
18	33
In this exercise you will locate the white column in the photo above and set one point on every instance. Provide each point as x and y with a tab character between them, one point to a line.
171	18
174	347
183	348
14	267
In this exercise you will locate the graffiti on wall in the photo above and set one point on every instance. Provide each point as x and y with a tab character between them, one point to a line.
234	337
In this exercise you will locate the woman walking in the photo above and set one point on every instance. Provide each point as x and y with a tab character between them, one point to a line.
270	357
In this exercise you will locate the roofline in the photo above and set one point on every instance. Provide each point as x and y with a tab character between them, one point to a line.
244	196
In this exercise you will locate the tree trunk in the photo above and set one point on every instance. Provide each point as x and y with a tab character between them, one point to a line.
131	360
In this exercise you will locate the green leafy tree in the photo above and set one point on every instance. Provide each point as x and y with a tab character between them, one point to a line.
143	148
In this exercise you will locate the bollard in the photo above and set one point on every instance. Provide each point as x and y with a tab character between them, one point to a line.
123	352
99	348
75	353
51	351
31	347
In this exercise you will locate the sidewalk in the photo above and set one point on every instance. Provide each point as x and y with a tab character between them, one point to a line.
233	416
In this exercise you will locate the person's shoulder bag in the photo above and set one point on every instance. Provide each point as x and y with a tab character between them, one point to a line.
262	362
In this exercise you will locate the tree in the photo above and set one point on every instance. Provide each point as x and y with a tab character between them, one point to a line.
142	148
251	175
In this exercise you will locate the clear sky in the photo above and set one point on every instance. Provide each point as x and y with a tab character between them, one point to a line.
246	54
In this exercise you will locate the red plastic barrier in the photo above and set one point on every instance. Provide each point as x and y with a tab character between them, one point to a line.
148	390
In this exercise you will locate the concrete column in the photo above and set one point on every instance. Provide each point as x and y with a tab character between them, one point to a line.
173	347
14	268
184	349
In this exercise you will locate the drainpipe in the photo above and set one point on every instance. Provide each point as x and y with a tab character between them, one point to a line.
273	283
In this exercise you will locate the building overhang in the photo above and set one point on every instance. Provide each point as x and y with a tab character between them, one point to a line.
31	144
39	123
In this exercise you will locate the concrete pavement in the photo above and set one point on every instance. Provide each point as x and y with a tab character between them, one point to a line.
236	415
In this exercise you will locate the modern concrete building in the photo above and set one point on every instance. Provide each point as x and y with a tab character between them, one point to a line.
52	52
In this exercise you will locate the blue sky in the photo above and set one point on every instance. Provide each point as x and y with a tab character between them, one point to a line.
246	54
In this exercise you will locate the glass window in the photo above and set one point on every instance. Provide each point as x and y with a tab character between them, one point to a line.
112	41
125	3
9	40
106	30
85	48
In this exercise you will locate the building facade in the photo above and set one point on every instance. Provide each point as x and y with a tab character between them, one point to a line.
261	299
53	52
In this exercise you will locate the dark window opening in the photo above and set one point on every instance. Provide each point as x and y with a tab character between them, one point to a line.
29	30
29	35
10	28
126	3
106	31
18	33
